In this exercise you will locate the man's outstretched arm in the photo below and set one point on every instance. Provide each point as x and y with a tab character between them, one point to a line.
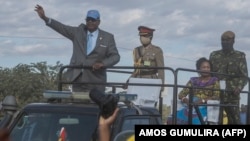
41	13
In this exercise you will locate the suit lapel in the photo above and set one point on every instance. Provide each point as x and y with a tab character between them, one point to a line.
99	38
84	48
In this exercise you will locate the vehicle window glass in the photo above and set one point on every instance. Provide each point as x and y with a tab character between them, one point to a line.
126	135
129	123
47	127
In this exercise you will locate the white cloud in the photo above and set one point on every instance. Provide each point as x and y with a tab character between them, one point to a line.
237	5
185	30
27	49
131	15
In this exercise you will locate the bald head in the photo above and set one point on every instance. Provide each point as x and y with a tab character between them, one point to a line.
227	41
228	35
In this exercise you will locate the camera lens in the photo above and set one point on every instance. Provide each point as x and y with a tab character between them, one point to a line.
106	102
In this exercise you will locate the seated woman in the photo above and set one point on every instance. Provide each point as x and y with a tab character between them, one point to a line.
200	96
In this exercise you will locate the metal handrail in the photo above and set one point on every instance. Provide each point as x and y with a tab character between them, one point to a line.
175	86
112	69
174	120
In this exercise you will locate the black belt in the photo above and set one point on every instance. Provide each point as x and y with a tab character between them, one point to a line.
148	72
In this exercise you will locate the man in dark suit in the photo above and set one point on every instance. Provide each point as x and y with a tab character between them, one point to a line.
91	47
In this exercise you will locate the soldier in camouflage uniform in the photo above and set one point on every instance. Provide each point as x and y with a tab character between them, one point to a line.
231	62
148	55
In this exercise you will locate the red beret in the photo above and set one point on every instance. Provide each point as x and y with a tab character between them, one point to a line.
143	30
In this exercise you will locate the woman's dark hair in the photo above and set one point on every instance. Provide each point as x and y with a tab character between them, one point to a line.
200	61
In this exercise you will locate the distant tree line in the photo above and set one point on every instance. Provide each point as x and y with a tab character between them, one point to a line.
27	82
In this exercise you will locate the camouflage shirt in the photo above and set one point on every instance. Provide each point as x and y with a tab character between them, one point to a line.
233	64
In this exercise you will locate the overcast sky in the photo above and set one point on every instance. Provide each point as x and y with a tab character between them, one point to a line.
185	29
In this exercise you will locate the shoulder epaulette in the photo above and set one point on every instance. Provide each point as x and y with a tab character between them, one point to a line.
241	54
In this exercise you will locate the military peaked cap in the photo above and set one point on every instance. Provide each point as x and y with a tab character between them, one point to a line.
143	30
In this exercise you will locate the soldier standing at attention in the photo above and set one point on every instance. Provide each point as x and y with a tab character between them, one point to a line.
231	62
148	55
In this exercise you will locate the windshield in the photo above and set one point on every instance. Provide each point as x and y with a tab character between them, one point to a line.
129	123
50	126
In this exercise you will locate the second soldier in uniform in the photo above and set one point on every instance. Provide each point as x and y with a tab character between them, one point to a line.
148	55
231	62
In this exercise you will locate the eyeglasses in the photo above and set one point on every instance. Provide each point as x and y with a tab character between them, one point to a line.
91	20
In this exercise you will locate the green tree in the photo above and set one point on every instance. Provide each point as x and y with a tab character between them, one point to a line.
27	82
